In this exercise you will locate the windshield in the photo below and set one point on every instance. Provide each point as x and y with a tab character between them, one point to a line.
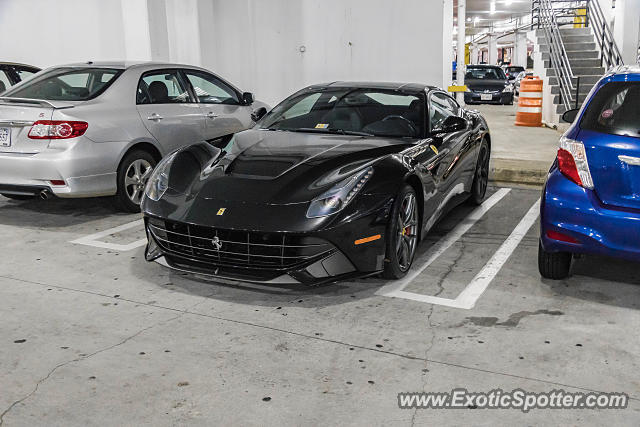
369	112
615	109
485	73
67	84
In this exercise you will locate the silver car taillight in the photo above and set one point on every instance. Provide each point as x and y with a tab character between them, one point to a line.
57	129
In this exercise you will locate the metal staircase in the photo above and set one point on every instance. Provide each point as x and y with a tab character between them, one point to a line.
576	46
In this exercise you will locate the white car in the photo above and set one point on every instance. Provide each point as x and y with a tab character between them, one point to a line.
98	129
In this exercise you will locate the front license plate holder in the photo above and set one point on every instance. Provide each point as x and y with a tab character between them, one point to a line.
486	97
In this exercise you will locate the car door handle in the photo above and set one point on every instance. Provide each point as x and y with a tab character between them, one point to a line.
155	117
211	115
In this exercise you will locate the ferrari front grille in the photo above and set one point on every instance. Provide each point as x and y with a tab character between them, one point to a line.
236	248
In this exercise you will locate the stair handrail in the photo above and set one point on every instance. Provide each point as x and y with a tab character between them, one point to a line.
609	53
559	59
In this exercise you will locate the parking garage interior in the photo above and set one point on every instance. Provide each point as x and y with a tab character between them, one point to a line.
96	331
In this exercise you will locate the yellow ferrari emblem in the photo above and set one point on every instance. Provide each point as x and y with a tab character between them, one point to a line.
221	211
435	150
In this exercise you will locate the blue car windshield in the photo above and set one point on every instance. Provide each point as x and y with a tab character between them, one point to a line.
615	110
66	84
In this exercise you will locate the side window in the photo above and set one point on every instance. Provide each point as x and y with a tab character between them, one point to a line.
211	90
5	83
161	87
23	74
441	107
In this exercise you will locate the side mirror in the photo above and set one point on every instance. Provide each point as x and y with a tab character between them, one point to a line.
570	116
258	114
452	124
247	98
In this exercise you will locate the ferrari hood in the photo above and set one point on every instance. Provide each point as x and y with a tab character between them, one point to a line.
278	167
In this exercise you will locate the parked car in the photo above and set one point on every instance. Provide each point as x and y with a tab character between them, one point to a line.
98	129
512	71
487	84
339	180
518	80
12	74
590	202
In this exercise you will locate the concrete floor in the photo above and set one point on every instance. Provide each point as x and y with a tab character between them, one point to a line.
519	153
97	336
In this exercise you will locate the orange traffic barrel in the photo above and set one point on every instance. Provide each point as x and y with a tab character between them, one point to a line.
529	111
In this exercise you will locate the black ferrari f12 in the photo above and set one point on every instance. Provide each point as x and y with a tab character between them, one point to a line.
338	181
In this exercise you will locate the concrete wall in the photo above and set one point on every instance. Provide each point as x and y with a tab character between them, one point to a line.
271	47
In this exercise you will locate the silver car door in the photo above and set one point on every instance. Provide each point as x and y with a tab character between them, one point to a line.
168	110
221	104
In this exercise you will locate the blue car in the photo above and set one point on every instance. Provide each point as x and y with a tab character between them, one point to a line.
591	200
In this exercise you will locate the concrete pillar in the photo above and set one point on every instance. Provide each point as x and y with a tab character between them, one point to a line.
447	40
626	30
461	68
493	50
144	24
519	56
474	53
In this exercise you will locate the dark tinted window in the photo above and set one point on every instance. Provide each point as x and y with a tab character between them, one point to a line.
375	112
67	84
440	108
487	73
614	109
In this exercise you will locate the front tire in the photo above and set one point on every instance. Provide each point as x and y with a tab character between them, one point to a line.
133	173
553	265
481	175
402	234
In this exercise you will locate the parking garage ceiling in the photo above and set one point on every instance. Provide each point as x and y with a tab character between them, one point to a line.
481	14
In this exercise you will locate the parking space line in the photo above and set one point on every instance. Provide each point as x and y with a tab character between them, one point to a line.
445	243
94	239
473	291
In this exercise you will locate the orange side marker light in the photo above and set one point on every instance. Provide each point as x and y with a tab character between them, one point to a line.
367	239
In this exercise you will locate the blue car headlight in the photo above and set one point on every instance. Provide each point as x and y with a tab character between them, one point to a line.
336	198
159	180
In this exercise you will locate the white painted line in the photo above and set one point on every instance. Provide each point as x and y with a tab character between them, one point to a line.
426	299
93	239
473	291
444	243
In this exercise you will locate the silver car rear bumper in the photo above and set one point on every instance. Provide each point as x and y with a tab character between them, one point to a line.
86	171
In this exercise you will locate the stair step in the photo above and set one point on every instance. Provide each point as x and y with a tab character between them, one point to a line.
578	54
577	39
581	98
575	31
584	80
570	47
580	71
584	89
579	63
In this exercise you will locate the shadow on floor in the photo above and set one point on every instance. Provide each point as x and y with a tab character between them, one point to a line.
55	212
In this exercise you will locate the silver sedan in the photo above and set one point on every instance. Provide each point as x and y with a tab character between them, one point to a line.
98	129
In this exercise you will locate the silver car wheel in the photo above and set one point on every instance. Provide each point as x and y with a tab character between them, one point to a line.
136	178
407	238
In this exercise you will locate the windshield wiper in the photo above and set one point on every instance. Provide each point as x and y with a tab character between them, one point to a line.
329	131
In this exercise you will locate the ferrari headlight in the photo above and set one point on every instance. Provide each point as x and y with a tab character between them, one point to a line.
159	180
339	196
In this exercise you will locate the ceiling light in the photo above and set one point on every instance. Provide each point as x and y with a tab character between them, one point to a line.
492	7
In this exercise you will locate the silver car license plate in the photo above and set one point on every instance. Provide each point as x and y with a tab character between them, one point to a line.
5	137
486	97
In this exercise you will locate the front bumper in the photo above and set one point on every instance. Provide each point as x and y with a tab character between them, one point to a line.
496	98
260	252
577	212
87	168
